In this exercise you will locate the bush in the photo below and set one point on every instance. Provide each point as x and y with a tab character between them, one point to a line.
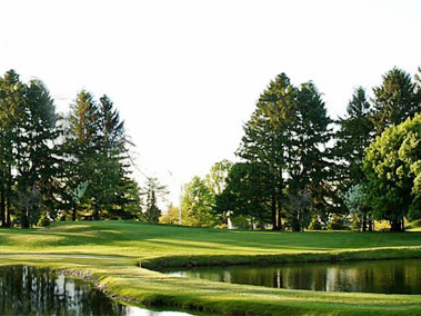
44	221
337	223
315	224
416	223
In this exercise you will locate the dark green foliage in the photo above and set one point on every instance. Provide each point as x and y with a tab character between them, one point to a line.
315	224
97	155
284	140
246	194
395	100
355	134
153	192
337	222
29	158
43	171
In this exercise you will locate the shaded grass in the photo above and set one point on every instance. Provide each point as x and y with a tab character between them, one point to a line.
108	252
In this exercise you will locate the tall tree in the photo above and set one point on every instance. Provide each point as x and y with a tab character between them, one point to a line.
395	100
356	131
82	148
38	158
12	93
267	135
308	166
111	177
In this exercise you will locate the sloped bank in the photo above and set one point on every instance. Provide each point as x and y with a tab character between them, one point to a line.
160	263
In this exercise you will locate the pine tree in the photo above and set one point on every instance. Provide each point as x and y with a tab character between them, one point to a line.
38	158
81	149
354	136
266	138
395	100
12	92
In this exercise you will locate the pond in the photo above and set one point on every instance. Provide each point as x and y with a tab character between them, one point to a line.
35	291
386	276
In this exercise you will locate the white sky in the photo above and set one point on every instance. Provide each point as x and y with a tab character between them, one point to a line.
185	75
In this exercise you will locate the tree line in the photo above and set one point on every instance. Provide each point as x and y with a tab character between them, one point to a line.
298	168
55	167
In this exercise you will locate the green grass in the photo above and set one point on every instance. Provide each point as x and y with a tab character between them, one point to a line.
109	253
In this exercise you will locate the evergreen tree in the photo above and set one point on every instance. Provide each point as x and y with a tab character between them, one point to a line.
37	156
354	136
153	193
286	136
267	135
309	166
395	100
12	93
81	149
111	177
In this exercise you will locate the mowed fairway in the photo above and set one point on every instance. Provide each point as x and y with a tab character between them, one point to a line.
110	253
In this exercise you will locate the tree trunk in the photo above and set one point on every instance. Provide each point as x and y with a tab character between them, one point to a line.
74	212
280	187
403	224
279	218
273	208
364	223
9	194
396	225
370	223
2	206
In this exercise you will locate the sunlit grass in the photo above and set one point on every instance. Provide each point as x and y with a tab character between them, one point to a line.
110	252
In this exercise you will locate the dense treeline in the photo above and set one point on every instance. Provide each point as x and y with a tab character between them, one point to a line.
53	167
301	169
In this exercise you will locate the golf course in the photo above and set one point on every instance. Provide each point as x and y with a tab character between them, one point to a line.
123	259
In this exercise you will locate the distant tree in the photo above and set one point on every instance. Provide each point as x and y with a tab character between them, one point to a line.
393	169
171	216
197	201
355	201
247	194
216	181
153	193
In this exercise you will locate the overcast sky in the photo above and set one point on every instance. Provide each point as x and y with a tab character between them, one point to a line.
186	75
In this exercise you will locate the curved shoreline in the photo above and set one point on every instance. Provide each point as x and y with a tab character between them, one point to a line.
140	286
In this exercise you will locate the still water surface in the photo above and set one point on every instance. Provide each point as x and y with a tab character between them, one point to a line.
390	276
34	291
